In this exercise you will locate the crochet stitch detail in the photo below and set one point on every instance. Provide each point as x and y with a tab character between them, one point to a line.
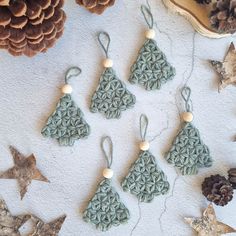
145	179
151	68
188	152
111	96
66	124
105	209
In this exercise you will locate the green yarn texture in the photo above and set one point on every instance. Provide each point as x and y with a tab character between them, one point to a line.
111	96
188	152
66	124
105	209
145	179
151	68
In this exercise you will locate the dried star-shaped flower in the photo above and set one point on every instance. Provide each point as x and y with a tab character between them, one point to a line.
47	229
24	171
9	225
227	68
208	224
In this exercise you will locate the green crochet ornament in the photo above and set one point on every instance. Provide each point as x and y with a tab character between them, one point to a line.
145	179
105	209
111	96
67	124
151	69
188	152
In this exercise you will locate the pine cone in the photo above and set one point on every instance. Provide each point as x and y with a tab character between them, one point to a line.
232	177
203	1
29	27
223	16
217	189
96	6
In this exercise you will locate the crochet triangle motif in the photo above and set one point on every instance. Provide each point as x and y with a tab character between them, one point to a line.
145	179
111	96
105	209
151	69
188	152
66	124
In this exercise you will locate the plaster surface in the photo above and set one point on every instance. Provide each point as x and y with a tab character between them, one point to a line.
30	89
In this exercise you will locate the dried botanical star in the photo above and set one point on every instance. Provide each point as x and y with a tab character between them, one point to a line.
47	229
227	68
9	225
24	171
208	224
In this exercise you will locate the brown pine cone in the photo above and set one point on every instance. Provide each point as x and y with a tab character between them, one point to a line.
217	189
232	177
29	27
96	6
223	16
203	1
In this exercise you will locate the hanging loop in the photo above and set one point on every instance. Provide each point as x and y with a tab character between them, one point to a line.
104	40
72	72
186	93
108	155
143	125
146	11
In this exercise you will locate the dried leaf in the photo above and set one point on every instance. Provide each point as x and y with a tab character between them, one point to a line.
47	229
208	224
227	68
24	171
9	225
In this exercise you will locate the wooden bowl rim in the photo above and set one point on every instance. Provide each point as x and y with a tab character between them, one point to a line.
189	12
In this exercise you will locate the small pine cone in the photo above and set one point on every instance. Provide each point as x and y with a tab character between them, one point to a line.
96	6
232	177
223	16
217	189
203	1
28	27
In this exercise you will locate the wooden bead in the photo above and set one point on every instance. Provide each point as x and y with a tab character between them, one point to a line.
67	89
107	63
107	173
150	34
187	116
144	146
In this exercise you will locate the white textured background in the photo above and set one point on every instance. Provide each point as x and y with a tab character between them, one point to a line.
30	89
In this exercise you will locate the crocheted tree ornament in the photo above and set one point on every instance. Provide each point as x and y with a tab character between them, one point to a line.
105	209
28	27
67	124
111	96
188	152
145	179
151	69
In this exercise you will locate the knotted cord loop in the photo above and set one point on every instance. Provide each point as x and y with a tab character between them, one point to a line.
186	93
143	125
102	37
146	11
108	156
72	72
